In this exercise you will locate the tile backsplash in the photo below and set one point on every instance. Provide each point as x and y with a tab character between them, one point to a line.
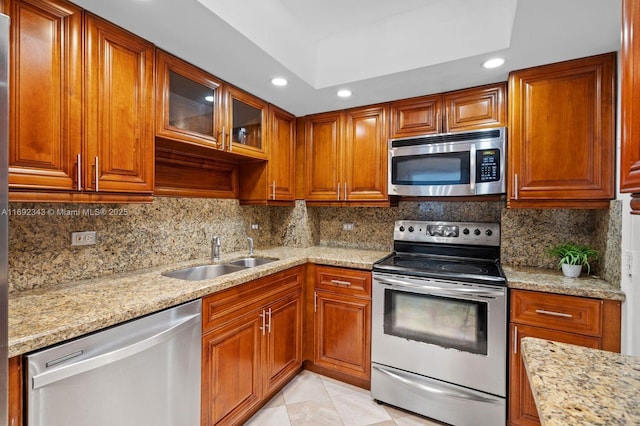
169	230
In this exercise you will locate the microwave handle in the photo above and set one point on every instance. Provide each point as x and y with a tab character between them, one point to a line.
472	166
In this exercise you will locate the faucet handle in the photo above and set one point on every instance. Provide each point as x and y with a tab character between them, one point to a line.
250	246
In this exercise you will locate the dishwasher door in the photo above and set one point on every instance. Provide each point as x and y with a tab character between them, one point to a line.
144	372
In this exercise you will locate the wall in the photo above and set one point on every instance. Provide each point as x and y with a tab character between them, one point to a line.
170	230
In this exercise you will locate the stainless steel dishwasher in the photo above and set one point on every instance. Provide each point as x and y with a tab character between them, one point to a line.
144	372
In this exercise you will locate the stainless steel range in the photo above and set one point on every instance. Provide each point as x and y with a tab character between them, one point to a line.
439	323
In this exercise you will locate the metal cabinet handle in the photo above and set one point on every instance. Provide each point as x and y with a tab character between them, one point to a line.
224	145
97	174
554	314
264	326
269	323
515	339
315	301
338	191
79	171
230	142
340	282
515	186
345	191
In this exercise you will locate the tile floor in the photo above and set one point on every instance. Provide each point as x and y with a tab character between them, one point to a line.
314	400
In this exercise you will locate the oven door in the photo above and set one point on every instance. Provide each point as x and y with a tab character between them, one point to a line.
449	331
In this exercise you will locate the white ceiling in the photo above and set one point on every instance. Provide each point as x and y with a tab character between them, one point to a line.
379	49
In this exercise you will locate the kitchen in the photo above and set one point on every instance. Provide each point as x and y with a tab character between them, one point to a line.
175	229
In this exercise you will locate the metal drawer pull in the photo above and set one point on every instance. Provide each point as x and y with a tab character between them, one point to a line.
79	171
97	174
264	320
339	282
555	314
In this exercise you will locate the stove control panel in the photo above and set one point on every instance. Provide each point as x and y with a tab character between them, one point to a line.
473	233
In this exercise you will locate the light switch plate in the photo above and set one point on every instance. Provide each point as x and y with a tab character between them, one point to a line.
85	238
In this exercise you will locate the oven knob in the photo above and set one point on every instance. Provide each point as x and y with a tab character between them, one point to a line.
411	229
465	231
476	231
488	232
402	229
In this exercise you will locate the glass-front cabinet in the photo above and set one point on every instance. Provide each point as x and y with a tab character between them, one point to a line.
189	103
246	123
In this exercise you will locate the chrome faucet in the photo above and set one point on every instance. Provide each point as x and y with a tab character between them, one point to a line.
250	246
215	248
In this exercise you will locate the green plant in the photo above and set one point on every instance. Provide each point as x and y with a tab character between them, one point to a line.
574	254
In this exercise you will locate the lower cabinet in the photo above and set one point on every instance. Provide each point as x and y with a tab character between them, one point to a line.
251	345
582	321
342	324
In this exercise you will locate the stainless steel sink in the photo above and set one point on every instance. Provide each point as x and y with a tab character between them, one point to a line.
204	272
250	262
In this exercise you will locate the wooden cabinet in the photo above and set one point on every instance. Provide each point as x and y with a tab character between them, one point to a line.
462	110
245	124
15	411
273	182
580	321
45	129
75	141
630	110
252	345
562	134
189	103
342	324
346	156
119	136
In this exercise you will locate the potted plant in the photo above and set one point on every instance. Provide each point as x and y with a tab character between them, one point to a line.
572	257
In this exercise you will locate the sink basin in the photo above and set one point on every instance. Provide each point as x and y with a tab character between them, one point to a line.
204	272
250	262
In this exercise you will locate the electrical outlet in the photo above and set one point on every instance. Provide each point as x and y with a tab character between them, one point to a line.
629	262
348	226
254	226
85	238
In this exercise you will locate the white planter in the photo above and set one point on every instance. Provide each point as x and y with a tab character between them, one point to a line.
572	271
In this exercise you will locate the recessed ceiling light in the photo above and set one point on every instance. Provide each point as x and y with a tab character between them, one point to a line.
279	81
208	98
493	63
344	93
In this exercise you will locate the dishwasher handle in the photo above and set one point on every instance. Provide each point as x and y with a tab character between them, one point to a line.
64	372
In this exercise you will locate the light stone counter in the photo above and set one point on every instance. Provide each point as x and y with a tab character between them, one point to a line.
552	281
43	317
574	385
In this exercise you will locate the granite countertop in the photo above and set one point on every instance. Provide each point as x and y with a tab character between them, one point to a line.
574	385
552	281
43	317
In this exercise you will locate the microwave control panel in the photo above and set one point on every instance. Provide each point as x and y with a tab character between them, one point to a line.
488	165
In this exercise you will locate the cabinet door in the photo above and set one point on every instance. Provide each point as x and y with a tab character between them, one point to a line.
365	154
282	155
561	134
343	334
246	125
284	341
188	104
323	135
119	109
231	362
522	407
416	116
45	94
630	122
476	108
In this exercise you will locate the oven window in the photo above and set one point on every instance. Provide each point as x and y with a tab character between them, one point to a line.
431	169
442	321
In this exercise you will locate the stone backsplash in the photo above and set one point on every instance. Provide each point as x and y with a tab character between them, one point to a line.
169	230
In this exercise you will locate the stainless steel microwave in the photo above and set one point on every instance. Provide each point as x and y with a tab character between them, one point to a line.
450	164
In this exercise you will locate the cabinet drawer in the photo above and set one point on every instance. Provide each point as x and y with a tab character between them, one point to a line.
343	281
559	312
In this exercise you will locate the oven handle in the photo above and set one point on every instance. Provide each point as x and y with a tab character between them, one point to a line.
434	388
441	290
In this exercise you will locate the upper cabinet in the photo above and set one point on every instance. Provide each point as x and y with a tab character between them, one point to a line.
71	141
196	108
462	110
346	156
188	103
630	120
562	134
